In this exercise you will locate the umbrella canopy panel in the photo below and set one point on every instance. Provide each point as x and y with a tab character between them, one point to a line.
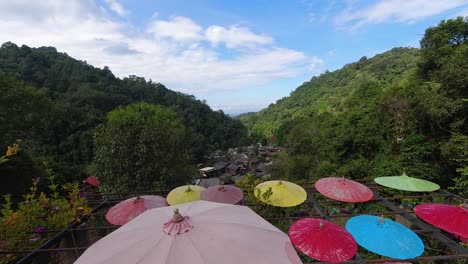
206	233
322	240
184	194
344	190
406	183
125	211
223	194
453	219
385	237
284	193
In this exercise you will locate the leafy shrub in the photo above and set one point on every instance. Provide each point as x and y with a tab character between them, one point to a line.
25	228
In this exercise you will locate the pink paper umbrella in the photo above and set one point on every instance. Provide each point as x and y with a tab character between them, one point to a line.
126	210
223	194
453	219
92	181
322	240
199	232
344	190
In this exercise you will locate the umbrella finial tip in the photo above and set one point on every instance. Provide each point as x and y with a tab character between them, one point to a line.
280	182
321	224
382	219
177	217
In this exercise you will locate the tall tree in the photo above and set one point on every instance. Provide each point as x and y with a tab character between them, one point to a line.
141	147
445	56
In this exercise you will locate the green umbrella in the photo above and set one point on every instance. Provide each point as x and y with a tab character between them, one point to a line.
406	183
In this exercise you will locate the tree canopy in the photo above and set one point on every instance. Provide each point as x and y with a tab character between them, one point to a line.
141	147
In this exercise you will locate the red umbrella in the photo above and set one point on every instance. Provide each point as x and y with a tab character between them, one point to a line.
344	190
223	194
322	240
453	219
92	181
125	211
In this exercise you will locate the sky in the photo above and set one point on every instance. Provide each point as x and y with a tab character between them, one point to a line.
239	56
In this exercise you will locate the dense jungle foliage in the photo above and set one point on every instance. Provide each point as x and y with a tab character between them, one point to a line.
403	110
54	103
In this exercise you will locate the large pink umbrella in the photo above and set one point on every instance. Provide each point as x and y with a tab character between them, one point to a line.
198	232
453	219
223	194
344	190
126	210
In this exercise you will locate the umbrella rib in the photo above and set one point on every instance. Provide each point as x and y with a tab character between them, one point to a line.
137	243
223	237
196	249
149	251
205	211
250	226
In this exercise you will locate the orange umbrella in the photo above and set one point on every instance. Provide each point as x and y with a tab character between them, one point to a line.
125	211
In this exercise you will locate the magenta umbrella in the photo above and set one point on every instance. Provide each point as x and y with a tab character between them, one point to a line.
453	219
322	240
198	232
126	210
344	190
223	194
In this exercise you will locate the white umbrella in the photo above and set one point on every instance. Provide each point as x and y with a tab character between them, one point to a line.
202	233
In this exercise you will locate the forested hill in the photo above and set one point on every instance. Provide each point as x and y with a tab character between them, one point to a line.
402	111
54	102
327	92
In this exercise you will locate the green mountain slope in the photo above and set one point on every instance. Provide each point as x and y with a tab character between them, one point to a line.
401	111
74	97
327	92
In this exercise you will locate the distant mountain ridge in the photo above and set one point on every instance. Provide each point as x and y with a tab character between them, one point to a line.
327	92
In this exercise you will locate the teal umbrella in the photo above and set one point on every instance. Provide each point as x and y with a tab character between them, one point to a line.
406	183
385	237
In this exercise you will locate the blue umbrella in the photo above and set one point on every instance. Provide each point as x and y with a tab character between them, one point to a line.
385	237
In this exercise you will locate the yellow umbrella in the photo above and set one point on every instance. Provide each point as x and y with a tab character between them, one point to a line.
184	194
285	194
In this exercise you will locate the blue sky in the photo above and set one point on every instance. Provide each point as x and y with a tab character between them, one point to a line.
239	56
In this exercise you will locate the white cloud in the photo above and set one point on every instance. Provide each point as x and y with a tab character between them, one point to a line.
238	108
463	13
175	52
183	29
312	17
402	11
315	65
235	37
178	28
117	8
